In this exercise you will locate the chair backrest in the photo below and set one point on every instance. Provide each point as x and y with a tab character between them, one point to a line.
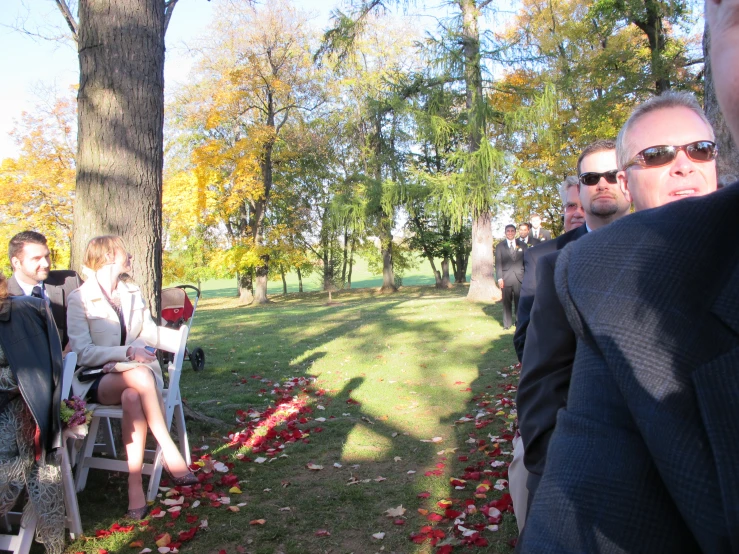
175	341
70	361
59	284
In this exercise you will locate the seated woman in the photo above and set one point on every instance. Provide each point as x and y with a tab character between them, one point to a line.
109	322
30	429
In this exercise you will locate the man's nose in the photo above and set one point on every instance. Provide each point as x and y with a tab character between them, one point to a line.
682	165
45	262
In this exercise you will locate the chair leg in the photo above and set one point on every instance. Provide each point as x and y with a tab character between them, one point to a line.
88	447
74	523
108	444
20	543
182	433
156	477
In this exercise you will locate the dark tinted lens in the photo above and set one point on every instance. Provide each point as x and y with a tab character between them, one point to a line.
701	151
610	176
658	155
591	178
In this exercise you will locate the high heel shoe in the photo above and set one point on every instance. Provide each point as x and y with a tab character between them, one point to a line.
186	480
138	514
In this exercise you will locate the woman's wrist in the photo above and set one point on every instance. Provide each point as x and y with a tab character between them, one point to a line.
130	353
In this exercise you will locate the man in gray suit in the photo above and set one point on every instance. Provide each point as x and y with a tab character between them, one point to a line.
644	457
31	261
509	272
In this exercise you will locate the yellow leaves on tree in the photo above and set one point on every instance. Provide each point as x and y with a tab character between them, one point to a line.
37	186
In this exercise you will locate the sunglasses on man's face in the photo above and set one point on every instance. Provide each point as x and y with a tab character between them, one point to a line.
592	178
656	156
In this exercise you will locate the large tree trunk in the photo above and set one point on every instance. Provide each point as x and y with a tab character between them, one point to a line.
284	282
727	162
120	137
445	284
246	287
386	248
351	264
260	285
300	280
483	287
345	254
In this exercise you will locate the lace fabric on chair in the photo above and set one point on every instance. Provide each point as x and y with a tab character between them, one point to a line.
19	469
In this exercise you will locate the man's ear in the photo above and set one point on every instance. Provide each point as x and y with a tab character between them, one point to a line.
623	184
15	263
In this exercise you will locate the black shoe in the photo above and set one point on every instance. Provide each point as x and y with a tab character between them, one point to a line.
506	328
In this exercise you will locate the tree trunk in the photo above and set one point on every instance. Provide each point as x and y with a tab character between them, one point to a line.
120	133
727	163
386	248
445	284
284	283
300	280
460	267
245	287
483	287
345	257
260	288
351	264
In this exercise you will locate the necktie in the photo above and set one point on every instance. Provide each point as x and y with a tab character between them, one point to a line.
37	292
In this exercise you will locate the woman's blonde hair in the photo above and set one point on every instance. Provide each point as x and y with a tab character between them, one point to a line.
99	247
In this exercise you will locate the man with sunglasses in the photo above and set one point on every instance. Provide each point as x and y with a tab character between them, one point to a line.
666	152
549	346
644	457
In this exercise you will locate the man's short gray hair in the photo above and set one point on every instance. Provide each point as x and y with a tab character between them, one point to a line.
668	99
564	186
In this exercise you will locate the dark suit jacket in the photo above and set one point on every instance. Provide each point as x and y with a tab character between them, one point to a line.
58	286
545	370
528	288
31	345
544	234
528	243
646	456
506	267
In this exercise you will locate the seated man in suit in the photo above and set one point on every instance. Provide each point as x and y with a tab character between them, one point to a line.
538	233
509	272
31	261
644	456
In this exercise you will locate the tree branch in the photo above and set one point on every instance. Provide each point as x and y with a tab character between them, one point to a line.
168	8
68	17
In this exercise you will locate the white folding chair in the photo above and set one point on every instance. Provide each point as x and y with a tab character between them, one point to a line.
21	543
170	340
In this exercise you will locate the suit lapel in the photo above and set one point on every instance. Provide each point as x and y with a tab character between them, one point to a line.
14	289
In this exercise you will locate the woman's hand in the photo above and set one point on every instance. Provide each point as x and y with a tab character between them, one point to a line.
138	354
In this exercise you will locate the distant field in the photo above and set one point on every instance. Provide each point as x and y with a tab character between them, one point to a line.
361	278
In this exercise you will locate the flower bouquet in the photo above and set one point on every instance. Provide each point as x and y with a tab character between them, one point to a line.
75	416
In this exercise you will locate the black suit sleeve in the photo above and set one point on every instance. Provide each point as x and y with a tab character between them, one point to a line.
525	302
546	369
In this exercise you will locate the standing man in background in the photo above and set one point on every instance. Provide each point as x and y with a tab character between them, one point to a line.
509	272
537	232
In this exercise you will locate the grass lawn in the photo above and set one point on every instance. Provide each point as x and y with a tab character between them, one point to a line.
392	400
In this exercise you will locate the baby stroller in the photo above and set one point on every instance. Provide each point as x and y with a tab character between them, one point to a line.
178	310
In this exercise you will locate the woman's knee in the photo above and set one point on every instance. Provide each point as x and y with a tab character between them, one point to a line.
130	400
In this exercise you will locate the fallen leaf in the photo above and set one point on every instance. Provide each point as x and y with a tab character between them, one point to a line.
380	479
323	533
164	540
395	512
378	536
257	522
314	467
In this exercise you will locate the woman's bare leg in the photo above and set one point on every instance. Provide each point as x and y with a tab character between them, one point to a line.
142	381
134	438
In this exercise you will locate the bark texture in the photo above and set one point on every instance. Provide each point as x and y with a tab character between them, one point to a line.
482	286
727	162
120	133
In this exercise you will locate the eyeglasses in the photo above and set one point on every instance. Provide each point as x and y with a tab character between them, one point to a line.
656	156
593	177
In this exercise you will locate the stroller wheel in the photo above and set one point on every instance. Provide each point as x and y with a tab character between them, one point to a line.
197	359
